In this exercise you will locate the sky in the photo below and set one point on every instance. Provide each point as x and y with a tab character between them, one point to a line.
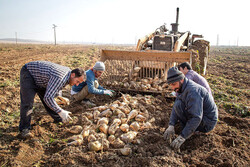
221	22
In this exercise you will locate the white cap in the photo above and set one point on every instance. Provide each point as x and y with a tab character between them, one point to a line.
99	66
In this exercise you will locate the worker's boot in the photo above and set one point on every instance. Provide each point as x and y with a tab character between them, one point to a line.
88	102
25	133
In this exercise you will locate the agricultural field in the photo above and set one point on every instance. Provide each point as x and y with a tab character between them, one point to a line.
227	145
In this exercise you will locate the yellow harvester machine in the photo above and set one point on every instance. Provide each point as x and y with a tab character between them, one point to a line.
146	68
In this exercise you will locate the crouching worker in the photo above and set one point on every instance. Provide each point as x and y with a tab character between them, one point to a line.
194	108
186	69
86	90
45	79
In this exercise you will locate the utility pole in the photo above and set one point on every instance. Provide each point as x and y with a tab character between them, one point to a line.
16	38
54	26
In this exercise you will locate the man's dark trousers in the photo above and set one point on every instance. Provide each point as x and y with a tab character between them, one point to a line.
28	90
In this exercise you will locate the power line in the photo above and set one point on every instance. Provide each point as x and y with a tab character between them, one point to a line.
38	32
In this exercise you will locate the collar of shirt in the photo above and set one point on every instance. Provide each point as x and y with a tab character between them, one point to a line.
67	79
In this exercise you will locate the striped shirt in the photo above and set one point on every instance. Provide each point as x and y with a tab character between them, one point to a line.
51	76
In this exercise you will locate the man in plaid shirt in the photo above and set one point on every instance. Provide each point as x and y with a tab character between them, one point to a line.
46	79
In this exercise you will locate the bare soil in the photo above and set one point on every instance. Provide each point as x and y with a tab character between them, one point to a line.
226	145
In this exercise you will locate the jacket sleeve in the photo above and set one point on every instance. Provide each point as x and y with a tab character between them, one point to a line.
173	118
194	114
100	87
91	86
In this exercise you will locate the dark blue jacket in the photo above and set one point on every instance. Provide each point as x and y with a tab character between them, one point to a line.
198	105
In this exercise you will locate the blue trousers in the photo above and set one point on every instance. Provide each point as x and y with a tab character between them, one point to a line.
28	90
206	125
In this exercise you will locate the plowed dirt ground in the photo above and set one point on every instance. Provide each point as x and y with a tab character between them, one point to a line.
226	145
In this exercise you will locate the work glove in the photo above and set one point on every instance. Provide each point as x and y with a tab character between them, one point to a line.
169	133
65	116
108	92
173	93
176	144
114	93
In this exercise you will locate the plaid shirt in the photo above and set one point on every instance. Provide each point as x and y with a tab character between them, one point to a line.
51	76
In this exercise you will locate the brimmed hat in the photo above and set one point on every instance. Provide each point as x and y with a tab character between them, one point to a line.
99	66
174	75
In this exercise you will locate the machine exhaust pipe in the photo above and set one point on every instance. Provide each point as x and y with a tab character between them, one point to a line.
175	25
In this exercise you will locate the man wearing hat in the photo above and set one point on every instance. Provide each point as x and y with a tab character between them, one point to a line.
87	89
194	108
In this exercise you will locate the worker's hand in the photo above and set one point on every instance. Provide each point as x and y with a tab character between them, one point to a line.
65	116
108	92
176	144
173	94
114	93
169	133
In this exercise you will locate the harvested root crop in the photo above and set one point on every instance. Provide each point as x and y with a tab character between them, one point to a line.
62	100
118	143
91	138
103	120
111	138
140	118
129	136
112	129
76	129
132	114
85	133
104	128
124	127
135	126
105	113
95	146
75	137
116	124
126	151
77	142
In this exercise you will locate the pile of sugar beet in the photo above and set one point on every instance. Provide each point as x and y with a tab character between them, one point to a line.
115	125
